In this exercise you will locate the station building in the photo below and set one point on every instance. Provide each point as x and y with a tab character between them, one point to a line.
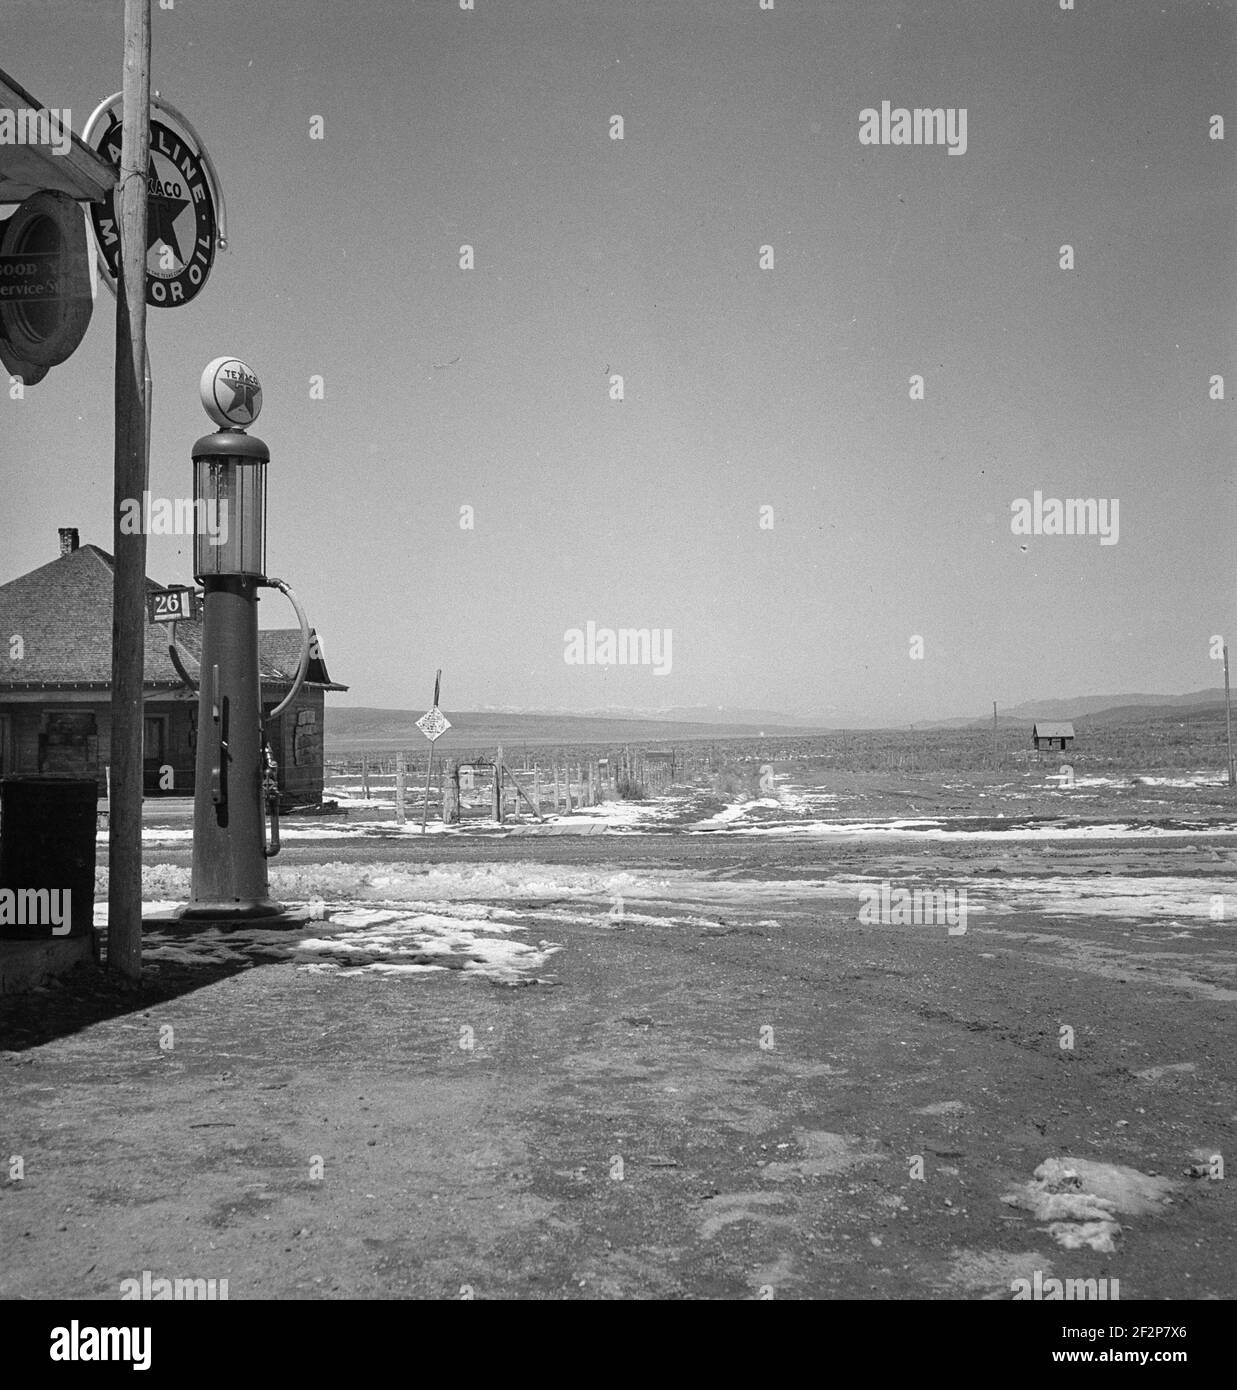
55	685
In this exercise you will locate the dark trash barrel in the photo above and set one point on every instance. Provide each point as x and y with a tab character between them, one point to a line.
47	842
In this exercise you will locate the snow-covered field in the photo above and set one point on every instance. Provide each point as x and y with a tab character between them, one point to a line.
497	921
807	812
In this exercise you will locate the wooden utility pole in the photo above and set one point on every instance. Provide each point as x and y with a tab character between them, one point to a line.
994	757
124	891
1228	723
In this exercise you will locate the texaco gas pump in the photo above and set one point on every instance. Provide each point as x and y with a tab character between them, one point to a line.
236	774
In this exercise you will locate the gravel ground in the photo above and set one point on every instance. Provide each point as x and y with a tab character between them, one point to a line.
727	1086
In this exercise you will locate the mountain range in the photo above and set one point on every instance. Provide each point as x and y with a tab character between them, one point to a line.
358	727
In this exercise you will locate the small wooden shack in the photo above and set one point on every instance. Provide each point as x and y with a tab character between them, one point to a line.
1050	736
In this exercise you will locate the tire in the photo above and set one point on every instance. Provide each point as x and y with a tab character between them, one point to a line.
45	333
15	366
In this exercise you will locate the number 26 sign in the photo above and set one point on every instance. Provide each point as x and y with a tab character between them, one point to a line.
170	605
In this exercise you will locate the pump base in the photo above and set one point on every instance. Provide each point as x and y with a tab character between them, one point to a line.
263	912
281	920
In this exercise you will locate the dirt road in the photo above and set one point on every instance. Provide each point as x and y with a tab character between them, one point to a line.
729	1087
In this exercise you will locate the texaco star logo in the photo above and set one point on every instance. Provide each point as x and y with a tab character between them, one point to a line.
180	217
231	393
245	393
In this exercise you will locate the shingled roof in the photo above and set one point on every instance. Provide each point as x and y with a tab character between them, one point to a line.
63	613
1052	729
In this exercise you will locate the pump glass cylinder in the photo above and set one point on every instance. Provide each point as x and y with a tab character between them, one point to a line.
230	516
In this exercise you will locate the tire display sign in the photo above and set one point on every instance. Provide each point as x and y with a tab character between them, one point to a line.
45	289
182	224
34	276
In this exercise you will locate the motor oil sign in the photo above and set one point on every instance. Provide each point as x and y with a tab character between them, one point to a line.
181	215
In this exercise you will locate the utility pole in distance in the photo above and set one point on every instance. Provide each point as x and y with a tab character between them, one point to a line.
124	891
1228	723
994	733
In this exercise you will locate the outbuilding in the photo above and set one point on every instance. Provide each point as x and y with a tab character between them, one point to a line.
1047	736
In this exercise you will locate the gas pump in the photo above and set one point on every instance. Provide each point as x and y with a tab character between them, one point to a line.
237	775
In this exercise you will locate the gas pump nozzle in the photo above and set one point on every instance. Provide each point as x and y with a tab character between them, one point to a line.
270	795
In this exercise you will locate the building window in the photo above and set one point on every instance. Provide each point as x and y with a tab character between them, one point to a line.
155	754
306	739
69	743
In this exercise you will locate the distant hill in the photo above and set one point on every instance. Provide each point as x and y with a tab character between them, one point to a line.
707	715
354	730
1097	709
1193	713
358	728
1092	704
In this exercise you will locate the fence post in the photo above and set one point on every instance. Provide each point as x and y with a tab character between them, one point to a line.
451	795
401	784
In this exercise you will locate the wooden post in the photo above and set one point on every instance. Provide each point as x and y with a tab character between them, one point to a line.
1228	723
365	777
567	785
498	786
451	796
520	792
537	786
124	892
429	772
994	754
401	783
429	762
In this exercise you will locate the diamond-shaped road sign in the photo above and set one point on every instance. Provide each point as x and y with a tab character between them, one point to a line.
433	723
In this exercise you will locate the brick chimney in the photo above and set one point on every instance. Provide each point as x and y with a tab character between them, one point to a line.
68	540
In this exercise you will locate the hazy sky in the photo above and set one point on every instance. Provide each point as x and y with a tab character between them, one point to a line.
787	388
